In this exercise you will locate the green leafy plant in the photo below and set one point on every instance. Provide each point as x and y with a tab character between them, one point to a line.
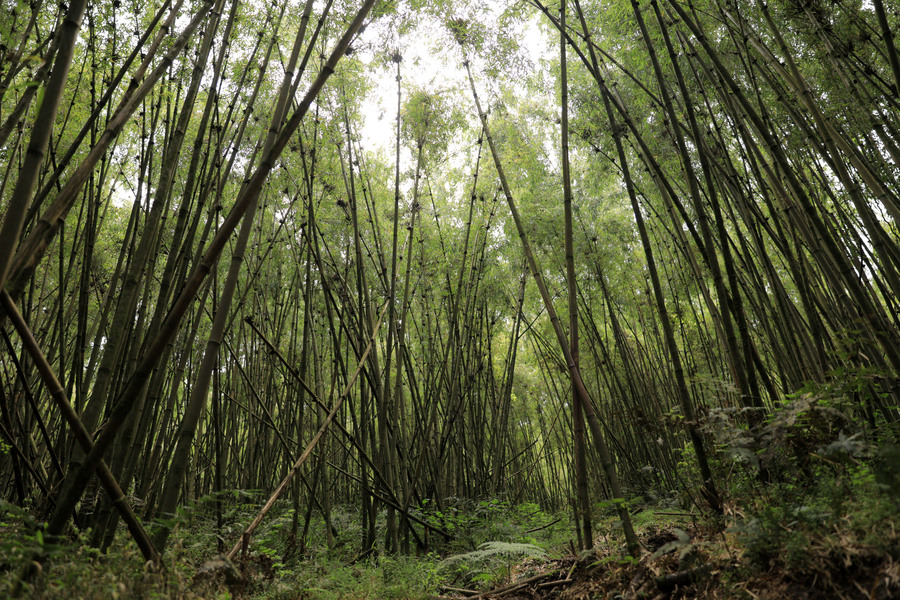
490	560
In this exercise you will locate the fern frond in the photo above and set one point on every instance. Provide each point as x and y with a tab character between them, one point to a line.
490	550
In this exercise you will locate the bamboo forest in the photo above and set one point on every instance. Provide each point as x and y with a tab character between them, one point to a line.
445	300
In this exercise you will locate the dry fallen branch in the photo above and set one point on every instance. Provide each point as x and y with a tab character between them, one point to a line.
515	586
667	583
447	588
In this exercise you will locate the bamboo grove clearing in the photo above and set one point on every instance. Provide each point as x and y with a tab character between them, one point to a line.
616	263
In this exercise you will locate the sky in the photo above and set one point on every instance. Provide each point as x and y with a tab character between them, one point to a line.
431	68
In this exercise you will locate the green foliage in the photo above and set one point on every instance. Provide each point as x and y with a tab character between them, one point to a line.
811	494
21	539
473	523
330	579
491	550
76	569
794	522
430	120
489	562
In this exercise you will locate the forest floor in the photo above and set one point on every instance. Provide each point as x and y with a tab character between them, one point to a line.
834	536
700	562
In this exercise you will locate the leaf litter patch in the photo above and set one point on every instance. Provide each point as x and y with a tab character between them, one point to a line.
706	563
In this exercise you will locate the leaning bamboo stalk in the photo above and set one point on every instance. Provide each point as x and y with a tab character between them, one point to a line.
735	303
390	498
583	512
132	389
245	537
14	117
134	281
708	490
887	37
33	247
719	312
82	435
199	392
593	422
831	258
40	138
148	55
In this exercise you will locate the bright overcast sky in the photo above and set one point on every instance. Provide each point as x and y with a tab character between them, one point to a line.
429	69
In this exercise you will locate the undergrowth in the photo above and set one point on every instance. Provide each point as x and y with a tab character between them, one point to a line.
488	538
811	509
